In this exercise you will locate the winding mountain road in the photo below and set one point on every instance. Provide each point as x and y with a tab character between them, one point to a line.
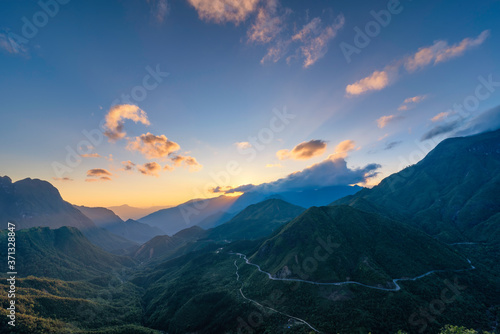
397	287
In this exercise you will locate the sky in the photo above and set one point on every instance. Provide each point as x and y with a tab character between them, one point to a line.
156	102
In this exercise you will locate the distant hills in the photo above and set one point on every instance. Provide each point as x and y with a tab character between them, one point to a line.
126	212
452	194
130	229
209	213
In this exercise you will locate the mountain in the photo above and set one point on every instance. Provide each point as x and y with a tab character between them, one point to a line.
63	253
305	198
32	202
127	212
256	221
164	245
452	193
130	229
353	245
191	213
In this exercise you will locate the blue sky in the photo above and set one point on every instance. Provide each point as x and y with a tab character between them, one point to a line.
221	90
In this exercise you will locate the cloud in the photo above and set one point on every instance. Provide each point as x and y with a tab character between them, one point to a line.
9	45
411	101
441	129
117	115
329	172
304	150
96	172
268	24
276	51
391	145
221	11
342	149
315	39
128	165
440	116
159	9
243	145
376	81
434	54
273	165
63	179
152	146
384	120
187	161
441	52
486	121
102	178
91	155
150	168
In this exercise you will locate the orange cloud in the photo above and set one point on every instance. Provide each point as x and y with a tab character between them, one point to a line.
376	81
440	52
267	24
440	116
221	11
384	120
342	149
152	146
187	161
96	172
150	168
128	165
303	151
117	115
91	155
102	178
64	179
411	101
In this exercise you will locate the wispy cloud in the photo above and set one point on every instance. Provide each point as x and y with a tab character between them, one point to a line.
440	116
315	39
243	145
159	9
376	81
63	179
128	165
221	11
439	52
116	117
410	102
304	150
91	155
384	120
391	145
441	129
9	45
268	23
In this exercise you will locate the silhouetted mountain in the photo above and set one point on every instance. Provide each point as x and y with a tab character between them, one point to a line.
172	220
130	229
256	221
33	202
305	198
127	212
450	194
